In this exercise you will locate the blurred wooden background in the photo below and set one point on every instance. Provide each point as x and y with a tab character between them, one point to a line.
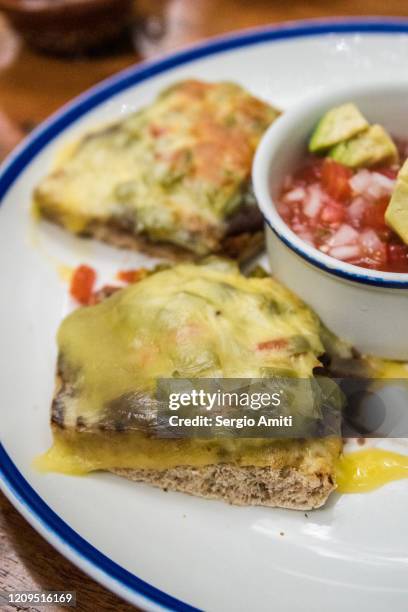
33	85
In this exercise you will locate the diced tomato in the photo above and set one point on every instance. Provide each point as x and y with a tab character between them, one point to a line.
332	213
156	130
82	284
388	172
310	172
297	214
335	180
275	345
131	276
285	211
374	215
398	257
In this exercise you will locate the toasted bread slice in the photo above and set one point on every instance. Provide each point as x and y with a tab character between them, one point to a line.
172	178
188	321
242	246
293	474
289	487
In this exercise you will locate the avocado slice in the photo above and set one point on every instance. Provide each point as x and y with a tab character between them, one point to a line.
396	215
371	147
338	124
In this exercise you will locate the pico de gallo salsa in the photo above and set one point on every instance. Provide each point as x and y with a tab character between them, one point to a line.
340	211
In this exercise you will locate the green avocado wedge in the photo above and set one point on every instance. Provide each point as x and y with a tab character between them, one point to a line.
369	148
338	124
396	215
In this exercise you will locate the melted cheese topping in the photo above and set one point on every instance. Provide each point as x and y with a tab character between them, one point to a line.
385	368
369	469
172	171
199	321
74	453
189	321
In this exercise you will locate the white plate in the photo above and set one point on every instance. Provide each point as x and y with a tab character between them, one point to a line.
168	550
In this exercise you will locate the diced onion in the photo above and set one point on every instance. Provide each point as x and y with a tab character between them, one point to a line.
387	184
356	210
371	184
370	241
360	181
347	252
313	201
345	235
295	195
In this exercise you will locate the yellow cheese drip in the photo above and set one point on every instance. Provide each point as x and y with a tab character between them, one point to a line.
384	368
65	272
369	469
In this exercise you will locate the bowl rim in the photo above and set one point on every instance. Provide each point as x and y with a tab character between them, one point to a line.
268	147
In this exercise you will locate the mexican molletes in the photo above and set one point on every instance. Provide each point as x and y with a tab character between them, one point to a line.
187	321
172	179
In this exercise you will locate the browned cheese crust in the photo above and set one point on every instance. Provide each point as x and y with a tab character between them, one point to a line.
172	180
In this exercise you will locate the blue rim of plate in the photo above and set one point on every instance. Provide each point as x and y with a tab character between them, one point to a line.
13	481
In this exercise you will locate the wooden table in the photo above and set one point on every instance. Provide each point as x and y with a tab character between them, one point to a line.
31	87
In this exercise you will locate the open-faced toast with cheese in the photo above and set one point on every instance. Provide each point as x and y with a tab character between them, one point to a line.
172	179
187	321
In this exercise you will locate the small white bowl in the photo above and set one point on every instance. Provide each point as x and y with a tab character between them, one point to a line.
369	308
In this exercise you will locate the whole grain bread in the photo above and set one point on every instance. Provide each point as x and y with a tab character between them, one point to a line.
242	247
243	486
300	475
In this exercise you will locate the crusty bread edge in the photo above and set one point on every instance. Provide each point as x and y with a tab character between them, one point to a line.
286	487
242	486
242	247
